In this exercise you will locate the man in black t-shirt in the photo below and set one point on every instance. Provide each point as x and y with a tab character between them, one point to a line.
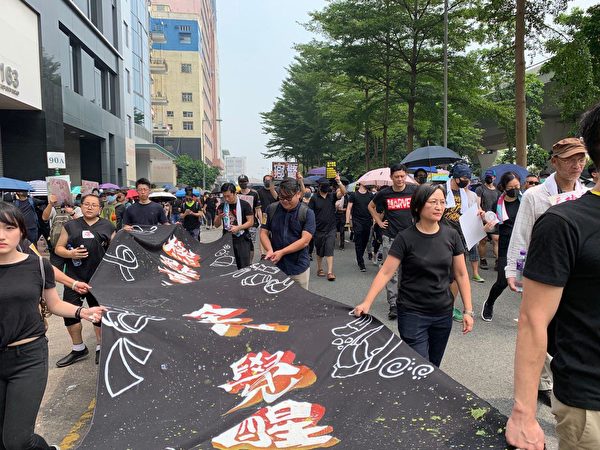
253	199
390	209
190	215
236	216
267	194
144	211
561	281
323	204
82	244
488	199
358	210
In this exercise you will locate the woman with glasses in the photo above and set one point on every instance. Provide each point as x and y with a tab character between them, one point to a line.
506	212
82	244
23	346
428	252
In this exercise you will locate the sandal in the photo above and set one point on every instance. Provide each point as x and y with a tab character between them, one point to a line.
331	276
320	273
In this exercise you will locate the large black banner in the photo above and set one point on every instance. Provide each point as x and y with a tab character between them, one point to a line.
196	354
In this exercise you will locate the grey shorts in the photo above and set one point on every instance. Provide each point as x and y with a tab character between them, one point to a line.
325	243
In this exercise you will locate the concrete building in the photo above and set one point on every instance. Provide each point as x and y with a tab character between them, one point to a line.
61	89
144	158
234	167
184	70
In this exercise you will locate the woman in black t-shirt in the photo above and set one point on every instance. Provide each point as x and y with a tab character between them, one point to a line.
506	212
23	346
428	252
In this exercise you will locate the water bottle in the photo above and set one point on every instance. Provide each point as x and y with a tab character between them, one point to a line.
520	268
76	262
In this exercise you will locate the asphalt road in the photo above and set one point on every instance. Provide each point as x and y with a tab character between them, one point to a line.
482	361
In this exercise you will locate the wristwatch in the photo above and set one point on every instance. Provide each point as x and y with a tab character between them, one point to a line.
469	313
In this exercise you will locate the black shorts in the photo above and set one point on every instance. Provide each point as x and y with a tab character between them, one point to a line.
72	297
325	243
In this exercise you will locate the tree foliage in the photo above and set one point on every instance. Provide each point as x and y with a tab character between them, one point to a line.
191	172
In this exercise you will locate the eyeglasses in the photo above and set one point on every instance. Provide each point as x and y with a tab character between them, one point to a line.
437	202
90	205
286	198
143	190
574	160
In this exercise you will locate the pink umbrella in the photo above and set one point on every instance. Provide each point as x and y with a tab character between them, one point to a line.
380	177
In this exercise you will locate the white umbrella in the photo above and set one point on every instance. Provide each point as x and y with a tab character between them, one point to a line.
40	188
162	195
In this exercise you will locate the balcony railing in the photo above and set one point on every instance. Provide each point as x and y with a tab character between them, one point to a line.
161	130
158	65
160	99
158	36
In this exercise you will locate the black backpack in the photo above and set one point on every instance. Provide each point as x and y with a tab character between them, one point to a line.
302	212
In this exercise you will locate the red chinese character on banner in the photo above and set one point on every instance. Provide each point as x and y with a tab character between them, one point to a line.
176	249
227	323
288	424
262	376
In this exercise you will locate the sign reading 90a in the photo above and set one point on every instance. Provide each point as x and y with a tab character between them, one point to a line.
9	76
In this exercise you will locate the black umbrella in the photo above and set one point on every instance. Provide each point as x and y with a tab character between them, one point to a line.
433	155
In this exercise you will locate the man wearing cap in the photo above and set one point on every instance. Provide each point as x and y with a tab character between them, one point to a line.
569	157
561	282
458	199
488	198
253	199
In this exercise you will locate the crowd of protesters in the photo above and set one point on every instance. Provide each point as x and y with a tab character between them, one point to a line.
412	230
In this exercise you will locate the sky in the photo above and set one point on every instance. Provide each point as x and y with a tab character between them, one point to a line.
256	39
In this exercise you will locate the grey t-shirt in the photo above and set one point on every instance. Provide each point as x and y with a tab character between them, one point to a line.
489	197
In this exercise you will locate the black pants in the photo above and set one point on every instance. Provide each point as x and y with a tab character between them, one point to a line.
340	225
23	376
362	231
500	283
241	249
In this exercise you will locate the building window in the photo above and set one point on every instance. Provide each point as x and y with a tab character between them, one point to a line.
161	8
189	126
169	126
129	127
128	76
170	114
186	97
185	38
185	28
126	33
186	68
188	114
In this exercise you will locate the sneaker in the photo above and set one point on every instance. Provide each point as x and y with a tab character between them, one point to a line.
370	256
393	312
477	279
487	312
72	357
545	398
55	447
379	258
362	268
457	316
97	357
483	264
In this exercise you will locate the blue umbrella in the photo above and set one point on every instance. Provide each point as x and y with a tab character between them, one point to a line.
501	169
10	184
181	193
433	155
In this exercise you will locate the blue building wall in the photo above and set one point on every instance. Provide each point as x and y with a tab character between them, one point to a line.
181	35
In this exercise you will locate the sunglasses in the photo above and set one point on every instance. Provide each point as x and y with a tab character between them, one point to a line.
532	183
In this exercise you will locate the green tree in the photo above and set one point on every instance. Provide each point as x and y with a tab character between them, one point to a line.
575	62
191	172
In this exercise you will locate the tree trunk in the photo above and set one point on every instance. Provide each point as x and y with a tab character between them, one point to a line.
367	158
520	103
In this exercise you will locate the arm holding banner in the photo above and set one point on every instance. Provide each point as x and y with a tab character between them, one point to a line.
385	274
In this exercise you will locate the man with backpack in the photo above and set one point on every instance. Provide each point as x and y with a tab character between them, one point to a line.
290	227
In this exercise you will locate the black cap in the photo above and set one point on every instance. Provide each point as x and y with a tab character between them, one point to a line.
242	179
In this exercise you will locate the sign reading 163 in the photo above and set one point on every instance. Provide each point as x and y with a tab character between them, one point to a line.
9	76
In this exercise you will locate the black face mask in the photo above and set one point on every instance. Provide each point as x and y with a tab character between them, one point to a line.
462	183
325	188
512	193
267	183
488	180
243	185
421	179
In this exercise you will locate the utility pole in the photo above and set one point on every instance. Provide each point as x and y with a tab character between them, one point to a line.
520	102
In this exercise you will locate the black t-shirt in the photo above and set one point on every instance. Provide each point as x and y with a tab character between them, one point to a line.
266	198
95	239
21	283
396	208
489	197
144	214
505	229
246	211
360	207
253	200
191	222
426	262
29	215
211	204
564	253
324	208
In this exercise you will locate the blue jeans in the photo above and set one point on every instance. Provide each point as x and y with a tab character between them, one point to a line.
426	334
